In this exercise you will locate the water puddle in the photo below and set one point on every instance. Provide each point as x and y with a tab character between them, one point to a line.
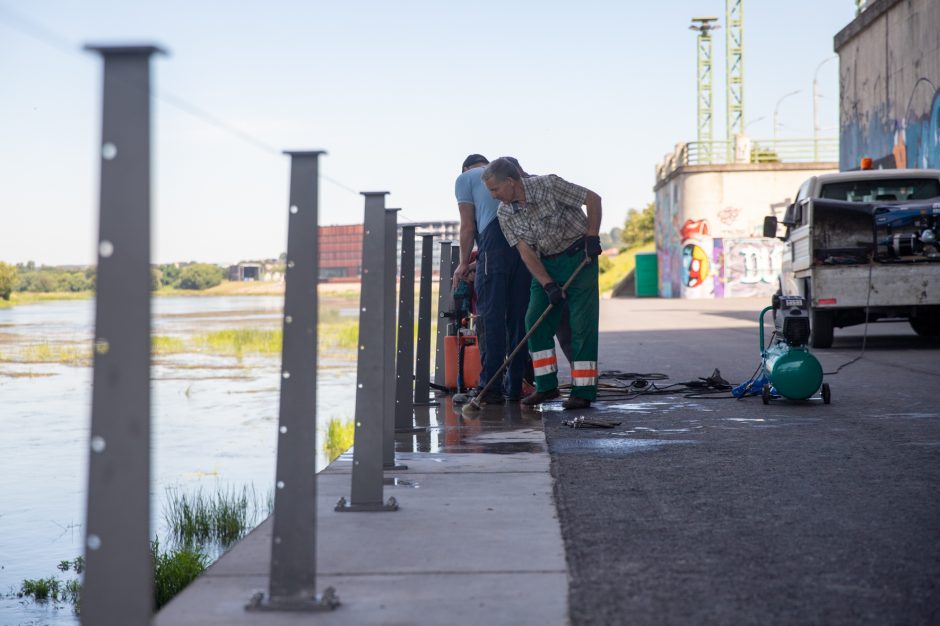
616	445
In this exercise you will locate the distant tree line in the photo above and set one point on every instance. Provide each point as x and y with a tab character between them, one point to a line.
46	279
196	276
639	227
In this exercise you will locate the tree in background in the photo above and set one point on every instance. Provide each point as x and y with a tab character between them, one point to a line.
156	279
640	226
169	274
200	276
7	280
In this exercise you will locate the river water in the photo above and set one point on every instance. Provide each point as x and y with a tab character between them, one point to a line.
214	422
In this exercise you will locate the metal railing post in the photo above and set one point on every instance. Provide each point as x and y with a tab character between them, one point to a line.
444	299
388	331
423	354
293	574
367	477
404	366
118	585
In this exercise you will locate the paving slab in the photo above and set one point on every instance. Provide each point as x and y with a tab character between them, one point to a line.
475	541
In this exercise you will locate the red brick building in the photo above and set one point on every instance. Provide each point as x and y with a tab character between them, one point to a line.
341	253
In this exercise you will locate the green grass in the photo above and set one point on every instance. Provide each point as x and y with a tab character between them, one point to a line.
41	589
30	297
221	518
342	335
161	344
339	437
239	341
68	354
621	265
174	570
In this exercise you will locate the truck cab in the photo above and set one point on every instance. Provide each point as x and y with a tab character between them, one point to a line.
862	246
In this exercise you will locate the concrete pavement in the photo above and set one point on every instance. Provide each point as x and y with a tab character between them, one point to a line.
692	511
476	541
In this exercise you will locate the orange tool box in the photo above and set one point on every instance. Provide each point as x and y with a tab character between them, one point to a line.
471	361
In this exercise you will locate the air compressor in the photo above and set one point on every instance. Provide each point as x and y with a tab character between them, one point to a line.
461	350
788	369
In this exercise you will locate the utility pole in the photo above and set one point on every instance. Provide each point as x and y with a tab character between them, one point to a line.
704	26
734	68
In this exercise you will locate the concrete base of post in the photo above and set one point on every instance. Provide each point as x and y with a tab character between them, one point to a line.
328	601
371	507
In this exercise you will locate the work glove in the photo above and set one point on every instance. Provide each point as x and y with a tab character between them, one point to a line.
592	246
554	292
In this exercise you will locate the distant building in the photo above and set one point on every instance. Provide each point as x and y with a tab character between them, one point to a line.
341	253
341	248
710	207
442	231
269	270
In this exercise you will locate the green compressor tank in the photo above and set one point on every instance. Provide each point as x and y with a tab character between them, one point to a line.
793	372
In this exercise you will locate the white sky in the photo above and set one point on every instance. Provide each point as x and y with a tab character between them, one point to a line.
398	93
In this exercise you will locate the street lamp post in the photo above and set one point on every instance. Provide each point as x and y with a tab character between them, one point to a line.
816	108
777	107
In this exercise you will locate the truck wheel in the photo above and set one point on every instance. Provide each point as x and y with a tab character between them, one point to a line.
826	393
926	325
820	329
765	393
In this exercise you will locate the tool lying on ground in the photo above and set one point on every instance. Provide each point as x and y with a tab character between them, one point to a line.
590	422
788	369
474	404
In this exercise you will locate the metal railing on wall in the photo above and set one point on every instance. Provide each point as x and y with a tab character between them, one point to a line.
118	582
764	151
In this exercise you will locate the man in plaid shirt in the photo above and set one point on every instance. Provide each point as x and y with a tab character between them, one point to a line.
541	216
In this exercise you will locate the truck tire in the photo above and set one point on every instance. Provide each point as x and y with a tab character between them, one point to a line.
926	325
821	328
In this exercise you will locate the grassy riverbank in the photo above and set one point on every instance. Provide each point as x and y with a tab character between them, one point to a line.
622	264
29	297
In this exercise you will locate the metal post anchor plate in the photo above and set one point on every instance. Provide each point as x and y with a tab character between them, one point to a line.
327	601
342	506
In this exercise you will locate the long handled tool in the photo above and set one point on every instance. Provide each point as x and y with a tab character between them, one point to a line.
474	405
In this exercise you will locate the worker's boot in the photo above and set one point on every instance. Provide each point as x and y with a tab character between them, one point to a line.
539	397
574	403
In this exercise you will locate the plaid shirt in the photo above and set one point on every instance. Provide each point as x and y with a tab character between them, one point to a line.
551	219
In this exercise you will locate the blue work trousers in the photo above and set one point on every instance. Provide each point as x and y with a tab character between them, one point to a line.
502	287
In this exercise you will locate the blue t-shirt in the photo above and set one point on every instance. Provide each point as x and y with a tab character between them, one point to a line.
470	188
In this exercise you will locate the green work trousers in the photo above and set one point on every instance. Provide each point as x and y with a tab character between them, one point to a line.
583	304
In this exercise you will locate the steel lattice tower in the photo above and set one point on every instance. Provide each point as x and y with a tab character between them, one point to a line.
704	26
734	65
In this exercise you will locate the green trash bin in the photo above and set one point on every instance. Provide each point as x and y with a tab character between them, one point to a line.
646	275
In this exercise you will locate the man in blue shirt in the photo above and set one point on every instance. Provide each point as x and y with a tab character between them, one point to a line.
502	280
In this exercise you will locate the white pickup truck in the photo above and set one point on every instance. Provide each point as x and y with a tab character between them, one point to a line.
864	241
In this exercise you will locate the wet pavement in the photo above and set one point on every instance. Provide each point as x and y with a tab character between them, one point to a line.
690	510
476	539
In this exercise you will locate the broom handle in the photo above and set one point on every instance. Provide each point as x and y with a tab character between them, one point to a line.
537	323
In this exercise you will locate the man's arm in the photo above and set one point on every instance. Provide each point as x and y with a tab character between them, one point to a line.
593	204
532	261
468	231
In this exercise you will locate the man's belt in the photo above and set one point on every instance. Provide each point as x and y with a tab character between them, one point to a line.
571	250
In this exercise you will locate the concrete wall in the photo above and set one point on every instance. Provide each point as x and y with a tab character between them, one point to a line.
889	85
709	221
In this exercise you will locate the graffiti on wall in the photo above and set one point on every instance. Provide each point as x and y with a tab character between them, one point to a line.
668	244
697	276
911	141
750	267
